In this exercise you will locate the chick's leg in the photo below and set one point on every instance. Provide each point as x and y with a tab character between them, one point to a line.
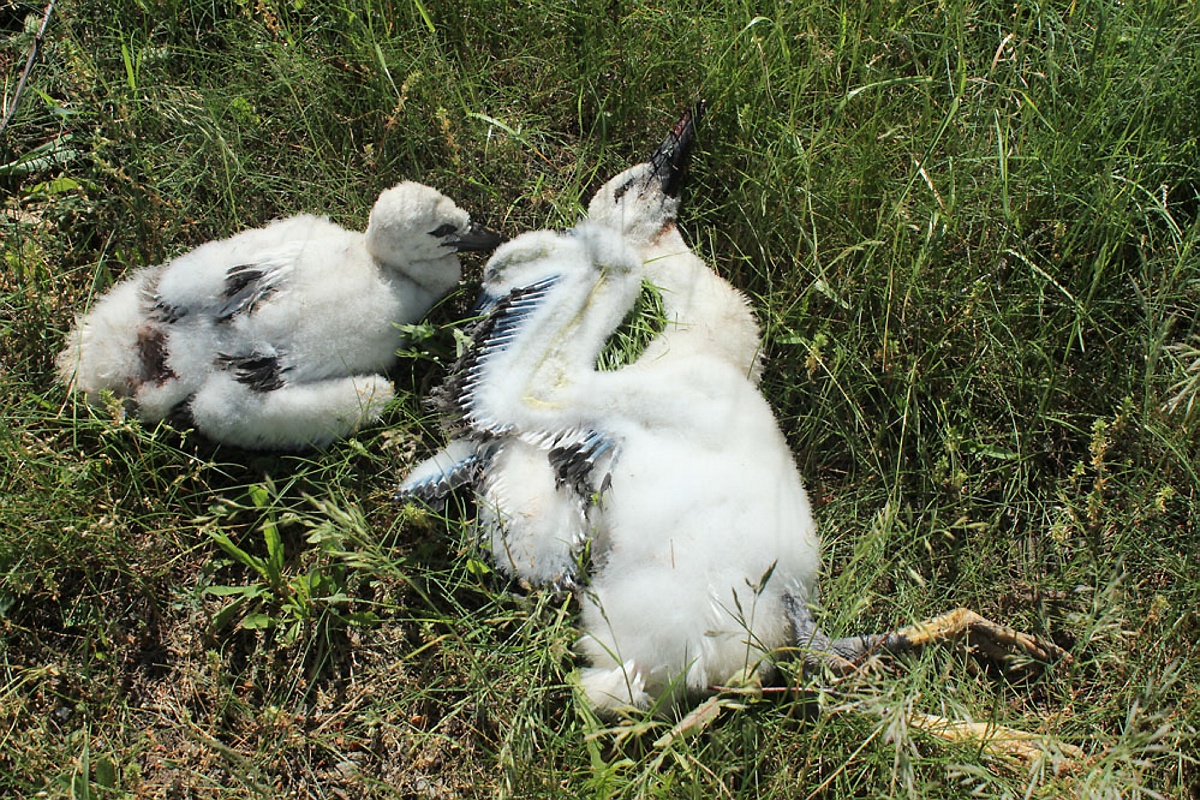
996	641
999	642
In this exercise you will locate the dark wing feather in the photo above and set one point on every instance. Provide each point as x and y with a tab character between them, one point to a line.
246	287
461	463
155	307
262	373
574	461
495	332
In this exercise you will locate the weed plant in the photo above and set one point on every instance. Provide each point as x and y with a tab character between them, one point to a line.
970	231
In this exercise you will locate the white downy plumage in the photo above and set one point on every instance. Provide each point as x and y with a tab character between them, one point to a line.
702	541
277	337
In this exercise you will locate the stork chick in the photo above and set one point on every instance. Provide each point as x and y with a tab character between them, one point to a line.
276	338
528	518
704	551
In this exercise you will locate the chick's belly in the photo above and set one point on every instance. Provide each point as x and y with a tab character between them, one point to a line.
674	466
664	491
674	499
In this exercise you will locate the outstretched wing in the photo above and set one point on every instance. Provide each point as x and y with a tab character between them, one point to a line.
457	398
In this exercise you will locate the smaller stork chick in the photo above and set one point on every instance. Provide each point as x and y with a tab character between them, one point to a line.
531	515
529	518
277	338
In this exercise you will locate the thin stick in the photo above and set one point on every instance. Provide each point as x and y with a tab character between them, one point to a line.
33	49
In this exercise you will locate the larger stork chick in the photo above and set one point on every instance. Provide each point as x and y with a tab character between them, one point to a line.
704	552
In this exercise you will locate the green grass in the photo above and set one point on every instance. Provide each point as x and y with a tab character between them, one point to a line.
970	231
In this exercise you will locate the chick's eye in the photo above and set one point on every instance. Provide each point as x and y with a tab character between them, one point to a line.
444	230
620	192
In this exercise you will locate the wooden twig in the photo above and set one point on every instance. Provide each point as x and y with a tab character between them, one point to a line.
33	50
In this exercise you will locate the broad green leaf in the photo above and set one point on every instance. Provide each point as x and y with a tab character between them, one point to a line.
257	621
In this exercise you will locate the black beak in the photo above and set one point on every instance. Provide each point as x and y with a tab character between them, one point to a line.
477	239
671	156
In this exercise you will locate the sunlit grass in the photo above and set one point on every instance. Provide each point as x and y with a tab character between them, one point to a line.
969	231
